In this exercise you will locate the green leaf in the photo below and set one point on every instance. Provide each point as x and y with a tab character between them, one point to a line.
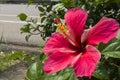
27	37
16	55
68	3
118	36
42	57
49	8
112	50
30	2
72	77
25	28
64	74
57	7
34	71
41	9
22	16
119	71
42	19
102	72
114	54
115	46
41	14
102	46
34	21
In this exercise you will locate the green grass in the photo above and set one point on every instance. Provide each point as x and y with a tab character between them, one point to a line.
9	59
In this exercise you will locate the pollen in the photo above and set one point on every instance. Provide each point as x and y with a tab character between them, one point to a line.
62	28
64	31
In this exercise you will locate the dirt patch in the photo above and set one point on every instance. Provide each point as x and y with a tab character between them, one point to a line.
16	72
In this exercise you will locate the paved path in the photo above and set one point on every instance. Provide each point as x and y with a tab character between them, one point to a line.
15	72
10	24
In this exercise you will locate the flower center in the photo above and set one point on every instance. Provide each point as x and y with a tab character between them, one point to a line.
63	29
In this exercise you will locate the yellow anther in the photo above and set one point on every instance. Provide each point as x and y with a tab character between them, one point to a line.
61	27
63	30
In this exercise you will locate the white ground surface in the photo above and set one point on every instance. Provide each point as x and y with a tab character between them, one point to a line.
10	24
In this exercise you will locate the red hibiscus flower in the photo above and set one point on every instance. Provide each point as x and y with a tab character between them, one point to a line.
74	46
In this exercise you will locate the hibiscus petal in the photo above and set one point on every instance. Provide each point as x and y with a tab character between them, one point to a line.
105	30
75	19
58	61
57	43
86	64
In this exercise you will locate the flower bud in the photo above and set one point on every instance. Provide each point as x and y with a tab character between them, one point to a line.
57	20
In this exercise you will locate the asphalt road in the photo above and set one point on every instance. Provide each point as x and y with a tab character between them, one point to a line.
10	24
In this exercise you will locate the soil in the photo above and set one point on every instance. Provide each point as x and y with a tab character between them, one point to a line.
16	72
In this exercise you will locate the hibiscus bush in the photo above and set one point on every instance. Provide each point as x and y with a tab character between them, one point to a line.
83	42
